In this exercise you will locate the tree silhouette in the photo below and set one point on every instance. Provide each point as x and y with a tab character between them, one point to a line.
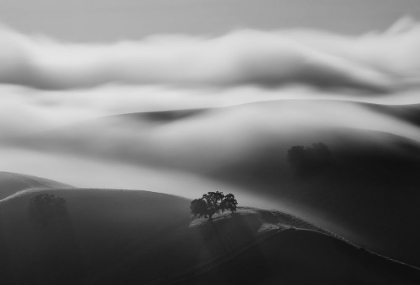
45	207
309	160
212	203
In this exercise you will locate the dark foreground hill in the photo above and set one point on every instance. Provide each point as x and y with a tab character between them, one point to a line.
302	257
140	237
97	232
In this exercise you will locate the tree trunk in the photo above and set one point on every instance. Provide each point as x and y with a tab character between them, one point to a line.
211	212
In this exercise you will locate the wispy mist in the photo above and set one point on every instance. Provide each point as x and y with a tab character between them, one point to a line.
376	62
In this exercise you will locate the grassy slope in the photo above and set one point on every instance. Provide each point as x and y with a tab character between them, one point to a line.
197	245
304	257
100	225
115	235
137	237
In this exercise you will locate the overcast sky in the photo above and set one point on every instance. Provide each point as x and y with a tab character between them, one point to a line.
110	20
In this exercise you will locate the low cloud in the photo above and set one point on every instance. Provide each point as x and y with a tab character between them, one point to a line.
47	86
376	62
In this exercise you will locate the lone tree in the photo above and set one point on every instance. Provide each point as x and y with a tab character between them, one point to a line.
212	203
309	160
45	207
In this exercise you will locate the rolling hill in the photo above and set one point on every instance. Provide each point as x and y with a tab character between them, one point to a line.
93	235
11	183
302	257
138	237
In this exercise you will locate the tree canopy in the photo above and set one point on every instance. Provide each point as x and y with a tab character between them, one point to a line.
212	203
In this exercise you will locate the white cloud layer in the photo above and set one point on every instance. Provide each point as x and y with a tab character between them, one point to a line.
376	62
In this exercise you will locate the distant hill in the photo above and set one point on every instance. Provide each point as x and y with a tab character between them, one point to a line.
408	113
11	183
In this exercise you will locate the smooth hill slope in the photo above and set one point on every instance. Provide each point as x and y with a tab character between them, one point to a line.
11	183
140	237
114	236
95	233
199	244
